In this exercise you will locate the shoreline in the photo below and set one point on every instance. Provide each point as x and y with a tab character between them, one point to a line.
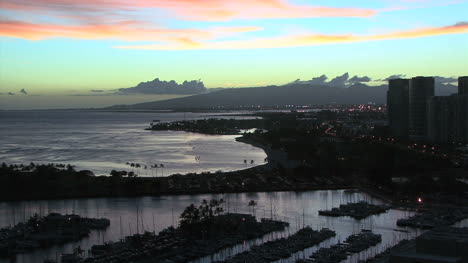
224	182
249	180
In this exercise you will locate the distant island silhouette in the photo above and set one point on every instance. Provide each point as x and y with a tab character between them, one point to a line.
290	94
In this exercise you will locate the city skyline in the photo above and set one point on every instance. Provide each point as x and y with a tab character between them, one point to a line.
416	113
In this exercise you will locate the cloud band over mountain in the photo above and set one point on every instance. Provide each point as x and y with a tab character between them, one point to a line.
157	86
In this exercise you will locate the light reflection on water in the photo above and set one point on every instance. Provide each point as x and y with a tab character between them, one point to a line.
102	141
298	208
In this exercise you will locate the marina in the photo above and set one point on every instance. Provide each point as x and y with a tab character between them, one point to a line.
130	216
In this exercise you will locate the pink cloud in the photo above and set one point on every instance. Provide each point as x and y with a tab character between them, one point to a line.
206	10
307	39
127	30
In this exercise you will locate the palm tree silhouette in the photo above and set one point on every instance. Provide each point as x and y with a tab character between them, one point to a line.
252	203
162	171
137	165
156	167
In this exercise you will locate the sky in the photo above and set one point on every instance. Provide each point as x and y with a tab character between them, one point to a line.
57	53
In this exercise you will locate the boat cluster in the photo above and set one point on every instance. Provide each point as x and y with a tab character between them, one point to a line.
283	247
339	252
359	210
180	245
435	217
47	231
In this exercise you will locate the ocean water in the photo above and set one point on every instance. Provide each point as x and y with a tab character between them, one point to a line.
102	141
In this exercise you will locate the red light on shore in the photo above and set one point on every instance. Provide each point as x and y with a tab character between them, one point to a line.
420	200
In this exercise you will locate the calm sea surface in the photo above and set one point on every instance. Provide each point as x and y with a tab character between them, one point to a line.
102	141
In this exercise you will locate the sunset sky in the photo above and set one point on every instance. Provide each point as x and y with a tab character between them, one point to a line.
54	52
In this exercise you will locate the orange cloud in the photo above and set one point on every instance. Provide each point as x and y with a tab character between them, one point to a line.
205	10
306	39
128	30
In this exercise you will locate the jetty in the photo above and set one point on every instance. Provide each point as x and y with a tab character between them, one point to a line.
359	210
47	231
210	126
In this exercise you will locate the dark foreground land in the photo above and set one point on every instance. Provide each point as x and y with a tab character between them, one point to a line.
49	182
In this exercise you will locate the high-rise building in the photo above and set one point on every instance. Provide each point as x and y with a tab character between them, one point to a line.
462	118
420	90
397	105
463	108
442	112
463	85
448	116
415	112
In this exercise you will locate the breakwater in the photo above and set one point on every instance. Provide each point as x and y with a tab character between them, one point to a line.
45	232
358	210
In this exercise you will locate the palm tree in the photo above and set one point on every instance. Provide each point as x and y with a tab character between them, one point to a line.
156	167
162	171
78	251
252	203
137	165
